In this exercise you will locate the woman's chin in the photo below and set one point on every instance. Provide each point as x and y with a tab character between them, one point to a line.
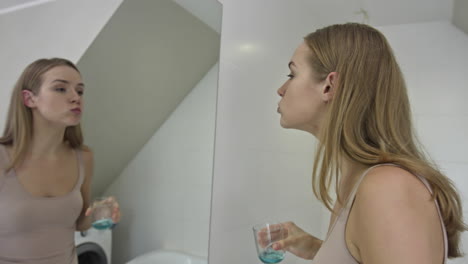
285	124
73	123
289	125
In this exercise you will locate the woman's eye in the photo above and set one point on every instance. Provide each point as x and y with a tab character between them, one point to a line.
290	76
80	93
60	89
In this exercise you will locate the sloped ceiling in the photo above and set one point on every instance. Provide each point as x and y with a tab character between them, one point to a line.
460	15
139	68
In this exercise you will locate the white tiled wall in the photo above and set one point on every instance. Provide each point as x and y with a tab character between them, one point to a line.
262	171
165	191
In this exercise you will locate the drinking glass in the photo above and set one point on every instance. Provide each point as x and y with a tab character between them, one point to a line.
265	235
102	213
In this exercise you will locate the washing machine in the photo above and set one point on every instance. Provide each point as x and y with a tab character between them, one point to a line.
94	246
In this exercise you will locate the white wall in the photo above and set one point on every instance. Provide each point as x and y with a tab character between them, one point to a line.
165	191
62	28
262	171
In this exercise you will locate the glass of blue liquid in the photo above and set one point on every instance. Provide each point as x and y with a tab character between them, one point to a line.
102	213
265	236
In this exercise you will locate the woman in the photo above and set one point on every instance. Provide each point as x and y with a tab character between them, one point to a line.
393	205
46	171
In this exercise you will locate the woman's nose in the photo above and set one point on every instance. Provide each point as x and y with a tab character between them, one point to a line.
75	97
281	91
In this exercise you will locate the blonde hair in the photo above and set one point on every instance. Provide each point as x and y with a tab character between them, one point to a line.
19	130
369	118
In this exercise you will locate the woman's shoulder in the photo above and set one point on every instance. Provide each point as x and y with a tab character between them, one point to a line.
87	154
393	206
389	174
389	186
390	179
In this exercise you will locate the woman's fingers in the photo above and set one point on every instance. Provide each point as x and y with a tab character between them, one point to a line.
89	211
270	234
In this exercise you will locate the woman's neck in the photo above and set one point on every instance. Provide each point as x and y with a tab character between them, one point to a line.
47	140
350	172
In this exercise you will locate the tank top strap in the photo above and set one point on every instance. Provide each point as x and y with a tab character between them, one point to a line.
81	169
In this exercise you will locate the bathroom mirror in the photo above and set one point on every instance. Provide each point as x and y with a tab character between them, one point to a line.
151	77
262	172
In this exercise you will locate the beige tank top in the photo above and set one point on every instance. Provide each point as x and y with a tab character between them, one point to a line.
334	249
33	229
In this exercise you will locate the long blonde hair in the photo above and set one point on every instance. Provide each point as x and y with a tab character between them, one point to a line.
369	119
19	130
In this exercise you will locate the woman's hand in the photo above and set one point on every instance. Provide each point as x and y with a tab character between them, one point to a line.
112	202
298	242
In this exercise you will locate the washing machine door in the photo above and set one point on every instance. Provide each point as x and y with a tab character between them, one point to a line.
91	253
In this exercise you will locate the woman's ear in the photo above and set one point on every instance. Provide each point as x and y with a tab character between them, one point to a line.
330	86
28	99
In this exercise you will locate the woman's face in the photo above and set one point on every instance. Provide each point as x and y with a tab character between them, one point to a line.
59	100
303	98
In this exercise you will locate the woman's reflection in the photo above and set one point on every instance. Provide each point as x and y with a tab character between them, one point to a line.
46	170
